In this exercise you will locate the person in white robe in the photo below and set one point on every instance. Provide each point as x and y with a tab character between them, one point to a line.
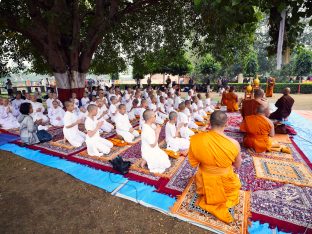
189	96
55	97
85	100
161	110
185	132
143	108
173	139
112	111
157	160
102	115
187	110
153	106
49	100
123	125
37	114
75	100
7	120
207	105
177	100
195	111
169	103
200	105
56	114
16	103
96	145
135	110
71	131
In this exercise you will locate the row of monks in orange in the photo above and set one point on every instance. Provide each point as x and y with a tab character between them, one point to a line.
217	155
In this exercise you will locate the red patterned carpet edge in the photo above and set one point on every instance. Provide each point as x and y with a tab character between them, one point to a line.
303	156
282	225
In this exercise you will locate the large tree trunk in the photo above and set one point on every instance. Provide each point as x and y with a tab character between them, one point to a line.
286	56
68	83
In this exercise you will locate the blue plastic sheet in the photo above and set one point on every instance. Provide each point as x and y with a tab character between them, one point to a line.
257	228
6	138
303	128
144	193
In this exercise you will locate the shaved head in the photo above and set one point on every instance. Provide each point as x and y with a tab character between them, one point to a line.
121	106
91	107
172	115
148	114
218	119
67	103
258	93
286	91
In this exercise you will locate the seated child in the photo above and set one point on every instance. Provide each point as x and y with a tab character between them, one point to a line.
28	128
102	116
123	125
56	114
7	120
157	160
112	111
71	132
173	139
185	132
85	100
96	145
208	106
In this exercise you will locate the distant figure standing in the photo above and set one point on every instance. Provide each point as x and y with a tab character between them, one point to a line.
270	87
149	81
208	85
9	87
168	81
191	82
47	84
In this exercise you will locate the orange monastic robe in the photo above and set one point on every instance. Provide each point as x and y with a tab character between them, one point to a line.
257	130
270	87
223	99
216	183
231	102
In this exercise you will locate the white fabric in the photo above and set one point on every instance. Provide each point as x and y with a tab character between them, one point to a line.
106	127
177	101
96	145
72	135
16	103
175	143
157	160
112	111
56	116
7	120
85	102
123	127
36	115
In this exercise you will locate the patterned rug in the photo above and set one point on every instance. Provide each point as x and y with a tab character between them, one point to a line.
273	155
175	165
283	206
234	121
186	209
283	171
236	135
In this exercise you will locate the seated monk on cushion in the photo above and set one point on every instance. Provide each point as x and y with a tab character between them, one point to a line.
231	100
216	154
258	130
284	105
250	106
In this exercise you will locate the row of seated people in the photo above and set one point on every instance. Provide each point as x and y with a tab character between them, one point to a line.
259	124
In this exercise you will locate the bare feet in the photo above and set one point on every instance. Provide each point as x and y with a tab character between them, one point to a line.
143	163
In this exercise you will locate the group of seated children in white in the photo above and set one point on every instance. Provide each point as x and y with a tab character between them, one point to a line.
102	113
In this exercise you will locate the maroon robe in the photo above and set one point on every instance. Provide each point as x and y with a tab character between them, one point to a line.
284	105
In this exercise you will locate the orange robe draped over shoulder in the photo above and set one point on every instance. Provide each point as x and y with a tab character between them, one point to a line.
231	102
223	99
257	130
216	183
270	87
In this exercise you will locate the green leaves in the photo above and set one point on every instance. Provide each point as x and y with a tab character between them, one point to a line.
303	62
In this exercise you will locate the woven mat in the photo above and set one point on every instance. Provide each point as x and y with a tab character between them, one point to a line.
283	171
281	138
273	155
186	209
175	165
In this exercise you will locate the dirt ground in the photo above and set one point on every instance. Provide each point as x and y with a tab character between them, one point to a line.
38	199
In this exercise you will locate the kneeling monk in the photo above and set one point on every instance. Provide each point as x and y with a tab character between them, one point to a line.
258	130
216	154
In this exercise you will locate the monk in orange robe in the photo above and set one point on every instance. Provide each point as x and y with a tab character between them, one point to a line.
250	106
231	100
216	154
270	87
225	92
258	130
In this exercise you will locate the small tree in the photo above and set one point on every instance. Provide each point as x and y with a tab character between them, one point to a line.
303	62
251	64
208	66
